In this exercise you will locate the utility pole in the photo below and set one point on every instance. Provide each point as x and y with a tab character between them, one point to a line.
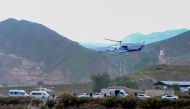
120	68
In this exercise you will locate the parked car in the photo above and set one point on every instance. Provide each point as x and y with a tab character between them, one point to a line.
187	89
44	89
169	97
39	94
18	93
98	95
142	96
83	95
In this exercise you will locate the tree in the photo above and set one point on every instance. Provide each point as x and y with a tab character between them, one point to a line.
100	81
176	87
40	83
124	81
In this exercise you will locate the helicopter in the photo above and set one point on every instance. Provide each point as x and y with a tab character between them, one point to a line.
125	47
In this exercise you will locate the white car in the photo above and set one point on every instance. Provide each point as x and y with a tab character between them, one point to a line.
39	94
44	89
98	95
142	96
83	95
187	89
169	97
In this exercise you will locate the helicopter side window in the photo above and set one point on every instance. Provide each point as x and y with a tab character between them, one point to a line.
125	47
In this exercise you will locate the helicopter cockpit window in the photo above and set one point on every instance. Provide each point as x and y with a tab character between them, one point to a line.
125	47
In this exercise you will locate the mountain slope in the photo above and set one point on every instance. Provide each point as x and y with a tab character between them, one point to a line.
138	37
52	57
164	72
153	37
174	48
176	52
95	46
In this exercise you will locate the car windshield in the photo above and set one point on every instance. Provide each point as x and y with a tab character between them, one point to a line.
23	93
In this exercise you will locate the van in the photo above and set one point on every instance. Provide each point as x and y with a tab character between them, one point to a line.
39	94
18	93
117	93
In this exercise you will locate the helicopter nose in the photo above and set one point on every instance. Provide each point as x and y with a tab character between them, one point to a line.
112	48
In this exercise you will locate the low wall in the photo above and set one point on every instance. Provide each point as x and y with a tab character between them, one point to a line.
154	93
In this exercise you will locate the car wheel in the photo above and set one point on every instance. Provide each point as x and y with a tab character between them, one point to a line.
43	97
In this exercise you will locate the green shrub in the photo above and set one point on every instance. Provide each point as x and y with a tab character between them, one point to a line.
100	81
180	103
166	103
124	81
50	103
175	104
67	100
3	100
152	103
14	100
60	106
100	101
110	101
9	100
20	106
129	103
186	102
80	101
25	100
36	102
42	107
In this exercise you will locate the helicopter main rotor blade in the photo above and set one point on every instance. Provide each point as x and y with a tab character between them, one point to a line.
114	40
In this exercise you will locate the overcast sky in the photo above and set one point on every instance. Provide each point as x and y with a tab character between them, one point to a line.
94	20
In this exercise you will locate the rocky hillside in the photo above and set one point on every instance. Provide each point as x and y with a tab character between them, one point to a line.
176	49
164	72
31	52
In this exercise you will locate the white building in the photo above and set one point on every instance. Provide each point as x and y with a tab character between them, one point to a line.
171	84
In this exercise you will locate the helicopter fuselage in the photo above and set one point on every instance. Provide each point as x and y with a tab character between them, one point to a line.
125	48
